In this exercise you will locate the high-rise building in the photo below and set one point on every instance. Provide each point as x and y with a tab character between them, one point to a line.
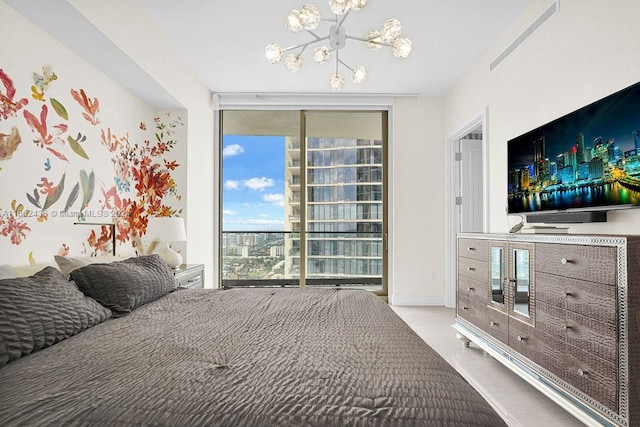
580	147
636	139
524	178
343	208
538	156
571	160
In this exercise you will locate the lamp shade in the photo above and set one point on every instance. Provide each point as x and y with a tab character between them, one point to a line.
166	229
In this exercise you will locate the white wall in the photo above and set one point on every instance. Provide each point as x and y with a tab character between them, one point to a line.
417	192
127	25
586	51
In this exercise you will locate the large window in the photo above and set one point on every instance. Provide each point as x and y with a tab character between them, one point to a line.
303	199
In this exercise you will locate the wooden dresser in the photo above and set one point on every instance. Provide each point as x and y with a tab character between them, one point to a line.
562	311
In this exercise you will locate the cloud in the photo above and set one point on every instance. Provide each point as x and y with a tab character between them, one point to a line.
254	221
229	212
232	185
232	150
258	184
275	199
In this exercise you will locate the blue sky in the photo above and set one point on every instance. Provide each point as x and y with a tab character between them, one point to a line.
253	183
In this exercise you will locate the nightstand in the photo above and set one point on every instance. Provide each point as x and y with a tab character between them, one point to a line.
189	276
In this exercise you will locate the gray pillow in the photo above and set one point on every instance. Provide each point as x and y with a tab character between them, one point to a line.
41	310
125	285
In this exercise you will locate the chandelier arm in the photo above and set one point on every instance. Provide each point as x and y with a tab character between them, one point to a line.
343	17
304	45
342	62
368	41
317	37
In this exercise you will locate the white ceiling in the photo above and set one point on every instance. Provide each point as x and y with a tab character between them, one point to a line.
224	42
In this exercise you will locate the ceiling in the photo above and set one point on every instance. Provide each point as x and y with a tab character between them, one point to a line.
224	42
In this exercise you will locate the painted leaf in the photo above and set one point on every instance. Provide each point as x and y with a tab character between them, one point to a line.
40	127
51	199
59	108
73	196
58	154
76	147
33	201
87	182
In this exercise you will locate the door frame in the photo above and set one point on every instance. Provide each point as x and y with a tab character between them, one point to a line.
451	217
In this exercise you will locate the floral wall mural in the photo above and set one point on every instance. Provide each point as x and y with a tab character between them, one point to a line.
69	158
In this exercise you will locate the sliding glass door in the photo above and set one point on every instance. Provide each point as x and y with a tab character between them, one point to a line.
303	199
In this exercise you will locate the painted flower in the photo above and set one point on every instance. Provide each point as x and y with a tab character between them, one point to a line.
15	229
101	243
47	187
8	106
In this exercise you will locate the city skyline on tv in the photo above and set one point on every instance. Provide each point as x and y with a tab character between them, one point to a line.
587	158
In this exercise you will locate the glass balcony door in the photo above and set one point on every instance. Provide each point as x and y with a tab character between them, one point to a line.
303	199
345	210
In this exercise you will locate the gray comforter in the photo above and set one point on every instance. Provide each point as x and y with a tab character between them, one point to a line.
243	357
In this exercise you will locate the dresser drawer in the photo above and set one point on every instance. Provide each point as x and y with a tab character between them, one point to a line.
545	350
473	248
473	289
474	268
494	323
593	336
592	263
587	298
472	310
550	320
592	375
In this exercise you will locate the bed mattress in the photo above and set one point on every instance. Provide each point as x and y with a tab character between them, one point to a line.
286	357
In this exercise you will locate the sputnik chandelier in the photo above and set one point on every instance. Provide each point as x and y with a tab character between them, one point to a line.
308	19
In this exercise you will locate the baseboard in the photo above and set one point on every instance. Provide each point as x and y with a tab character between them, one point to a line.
396	299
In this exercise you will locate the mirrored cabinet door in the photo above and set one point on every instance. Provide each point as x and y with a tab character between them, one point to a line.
497	275
498	272
521	282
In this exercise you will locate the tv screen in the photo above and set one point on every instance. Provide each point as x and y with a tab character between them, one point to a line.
586	160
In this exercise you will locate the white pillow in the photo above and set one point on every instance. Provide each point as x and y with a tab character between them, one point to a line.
67	264
30	269
7	272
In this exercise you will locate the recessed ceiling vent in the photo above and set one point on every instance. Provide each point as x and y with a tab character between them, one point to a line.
525	35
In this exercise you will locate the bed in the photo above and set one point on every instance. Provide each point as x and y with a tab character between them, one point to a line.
262	356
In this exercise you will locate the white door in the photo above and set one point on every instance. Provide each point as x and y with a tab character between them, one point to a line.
470	193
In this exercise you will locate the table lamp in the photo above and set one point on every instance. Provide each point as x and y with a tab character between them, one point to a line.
165	229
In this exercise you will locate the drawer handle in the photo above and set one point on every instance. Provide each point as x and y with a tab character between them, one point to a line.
583	373
471	248
566	327
471	269
566	261
465	308
471	289
494	324
568	294
521	338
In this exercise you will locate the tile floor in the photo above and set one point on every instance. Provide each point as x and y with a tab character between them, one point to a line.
516	401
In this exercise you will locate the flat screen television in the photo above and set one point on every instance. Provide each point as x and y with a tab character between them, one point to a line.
585	161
